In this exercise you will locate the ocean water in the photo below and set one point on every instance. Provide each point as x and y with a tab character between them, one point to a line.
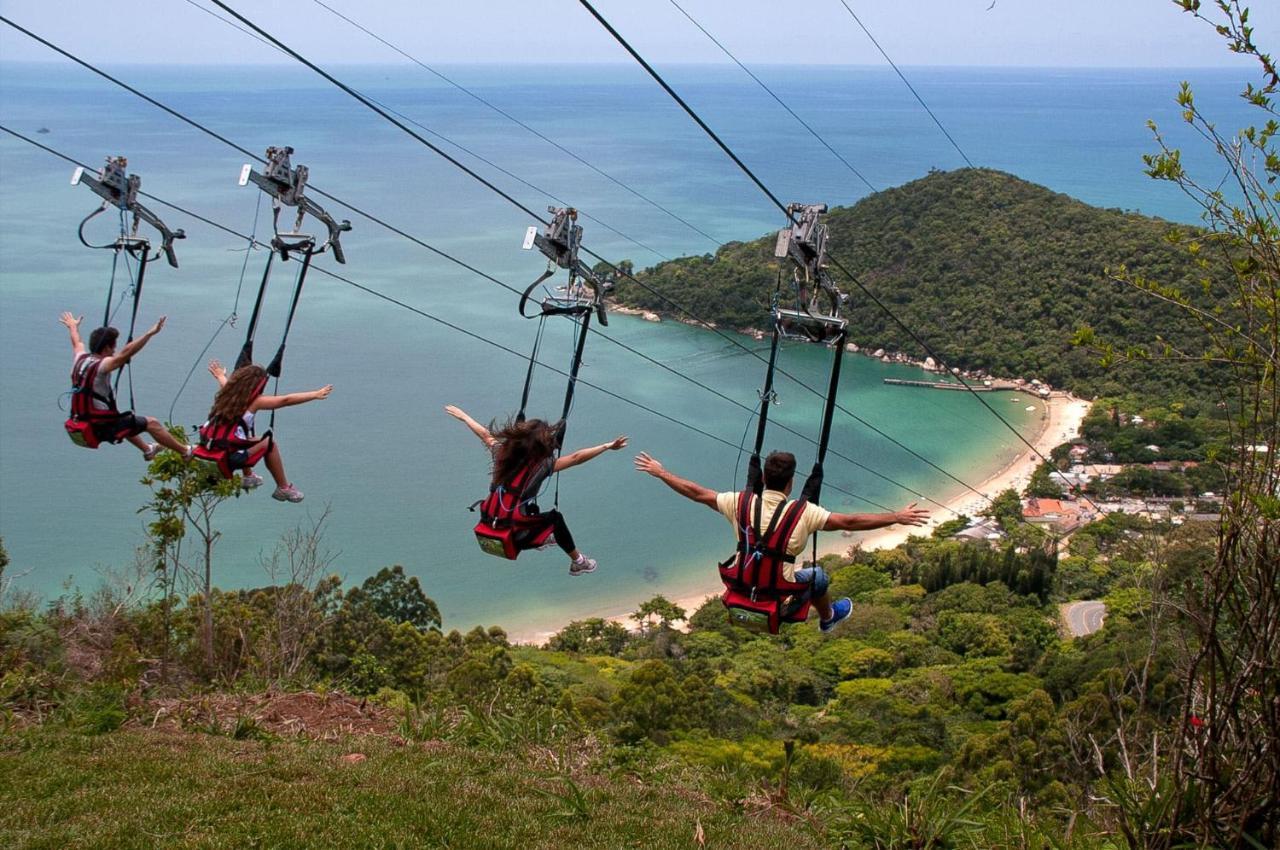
397	474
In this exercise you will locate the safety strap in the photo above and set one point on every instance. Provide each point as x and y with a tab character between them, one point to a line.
143	259
755	546
574	365
812	490
755	475
528	375
277	362
84	374
246	351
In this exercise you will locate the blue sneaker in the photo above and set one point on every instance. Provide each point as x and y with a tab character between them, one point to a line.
840	611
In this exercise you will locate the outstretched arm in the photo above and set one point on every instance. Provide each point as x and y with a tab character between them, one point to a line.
124	355
219	372
476	428
584	455
683	486
73	328
910	515
274	402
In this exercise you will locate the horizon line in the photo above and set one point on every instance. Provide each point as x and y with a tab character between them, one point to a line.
621	64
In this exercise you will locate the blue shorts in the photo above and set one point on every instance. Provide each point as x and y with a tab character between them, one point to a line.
817	578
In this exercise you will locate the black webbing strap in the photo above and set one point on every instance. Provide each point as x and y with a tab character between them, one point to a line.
755	475
133	317
277	363
812	491
246	351
533	359
573	371
524	296
578	348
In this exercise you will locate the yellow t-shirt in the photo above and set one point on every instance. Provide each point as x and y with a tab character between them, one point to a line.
813	519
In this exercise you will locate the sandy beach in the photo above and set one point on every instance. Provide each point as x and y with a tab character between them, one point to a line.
1061	422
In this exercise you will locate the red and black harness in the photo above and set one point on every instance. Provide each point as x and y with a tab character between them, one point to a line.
507	527
87	424
219	447
757	594
219	444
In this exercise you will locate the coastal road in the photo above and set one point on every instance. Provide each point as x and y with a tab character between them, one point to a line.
1084	618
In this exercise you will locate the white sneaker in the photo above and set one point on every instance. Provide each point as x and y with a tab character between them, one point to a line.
151	451
249	481
585	565
288	493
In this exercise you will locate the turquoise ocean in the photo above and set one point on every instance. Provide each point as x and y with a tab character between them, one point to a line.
395	473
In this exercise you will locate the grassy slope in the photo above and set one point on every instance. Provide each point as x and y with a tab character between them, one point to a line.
994	272
142	788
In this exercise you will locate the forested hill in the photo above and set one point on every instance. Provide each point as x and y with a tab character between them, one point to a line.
994	272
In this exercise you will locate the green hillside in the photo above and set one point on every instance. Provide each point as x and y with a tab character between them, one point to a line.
994	272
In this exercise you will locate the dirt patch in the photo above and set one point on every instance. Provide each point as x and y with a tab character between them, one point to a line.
309	715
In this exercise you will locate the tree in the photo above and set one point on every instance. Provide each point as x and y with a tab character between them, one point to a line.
659	606
392	595
1005	508
184	496
649	704
594	636
1042	485
1227	759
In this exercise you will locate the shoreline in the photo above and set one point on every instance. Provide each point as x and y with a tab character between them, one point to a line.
1063	417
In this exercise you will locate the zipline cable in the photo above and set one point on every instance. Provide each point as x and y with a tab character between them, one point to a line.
444	322
761	83
520	123
904	79
449	141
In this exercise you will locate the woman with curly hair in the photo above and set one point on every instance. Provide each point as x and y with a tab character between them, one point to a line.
230	425
526	450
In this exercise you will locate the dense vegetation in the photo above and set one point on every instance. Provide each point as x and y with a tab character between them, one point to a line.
996	274
942	691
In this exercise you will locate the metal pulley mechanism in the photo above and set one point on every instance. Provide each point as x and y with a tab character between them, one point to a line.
559	242
287	185
119	189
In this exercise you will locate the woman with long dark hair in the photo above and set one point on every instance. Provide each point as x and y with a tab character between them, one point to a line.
230	425
525	451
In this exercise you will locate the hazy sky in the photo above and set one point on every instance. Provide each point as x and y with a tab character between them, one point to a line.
1113	33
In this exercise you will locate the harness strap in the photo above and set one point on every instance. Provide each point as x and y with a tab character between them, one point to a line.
143	258
83	376
246	351
528	375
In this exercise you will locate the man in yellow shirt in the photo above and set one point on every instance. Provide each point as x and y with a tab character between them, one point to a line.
779	474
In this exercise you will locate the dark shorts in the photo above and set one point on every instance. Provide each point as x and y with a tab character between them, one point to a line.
121	428
246	458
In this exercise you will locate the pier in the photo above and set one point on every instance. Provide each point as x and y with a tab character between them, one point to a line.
938	385
983	387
